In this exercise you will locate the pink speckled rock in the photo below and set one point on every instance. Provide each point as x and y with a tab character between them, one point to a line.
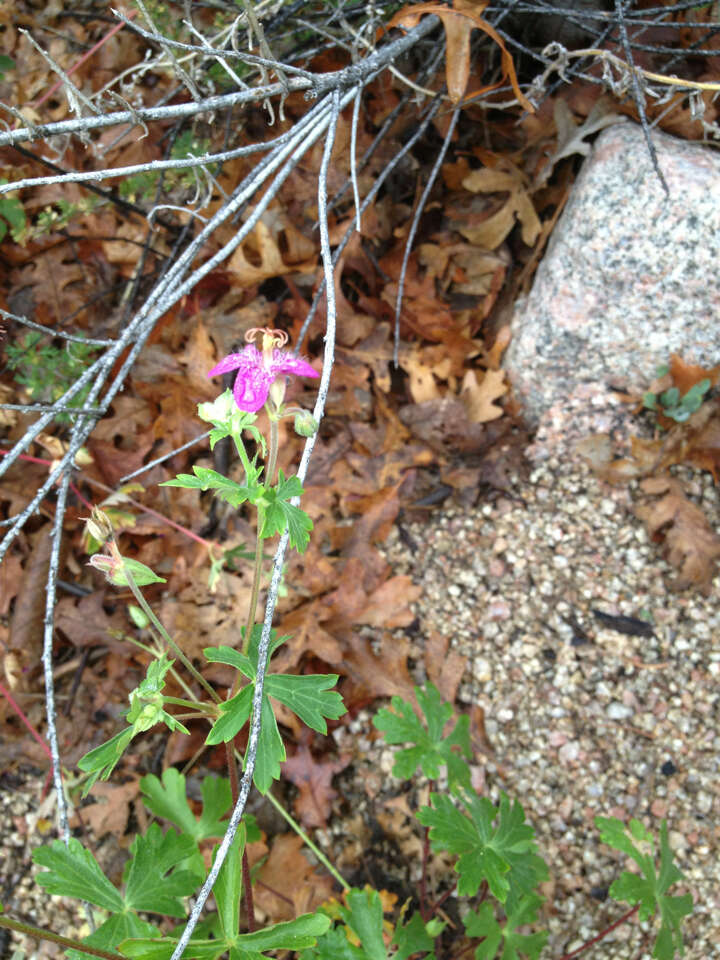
629	277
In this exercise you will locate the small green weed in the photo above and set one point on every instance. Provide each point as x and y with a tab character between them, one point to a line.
12	215
46	371
671	404
142	186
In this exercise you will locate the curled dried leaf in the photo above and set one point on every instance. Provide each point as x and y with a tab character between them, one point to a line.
458	25
692	546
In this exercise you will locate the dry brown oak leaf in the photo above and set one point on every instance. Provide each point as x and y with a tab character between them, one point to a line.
692	547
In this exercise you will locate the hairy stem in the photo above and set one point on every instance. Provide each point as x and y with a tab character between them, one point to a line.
38	934
247	892
137	593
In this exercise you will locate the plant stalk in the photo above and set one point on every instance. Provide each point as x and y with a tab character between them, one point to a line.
38	934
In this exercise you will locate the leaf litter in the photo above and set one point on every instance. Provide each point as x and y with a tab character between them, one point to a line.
391	438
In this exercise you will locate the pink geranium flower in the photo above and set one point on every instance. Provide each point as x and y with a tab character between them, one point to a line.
258	369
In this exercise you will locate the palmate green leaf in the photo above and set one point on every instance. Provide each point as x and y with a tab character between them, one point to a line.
72	871
413	938
151	884
270	752
205	479
235	714
334	945
228	887
309	697
118	927
279	514
482	924
364	916
502	853
432	751
649	888
167	798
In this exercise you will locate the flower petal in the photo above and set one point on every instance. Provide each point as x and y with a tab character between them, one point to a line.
251	388
236	361
285	363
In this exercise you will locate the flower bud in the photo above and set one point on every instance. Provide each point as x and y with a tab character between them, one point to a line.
110	566
277	391
305	424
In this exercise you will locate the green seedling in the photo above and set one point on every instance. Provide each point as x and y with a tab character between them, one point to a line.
671	404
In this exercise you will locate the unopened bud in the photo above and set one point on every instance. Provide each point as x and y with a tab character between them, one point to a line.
277	391
305	424
110	566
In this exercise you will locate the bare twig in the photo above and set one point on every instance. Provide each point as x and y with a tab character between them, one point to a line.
415	223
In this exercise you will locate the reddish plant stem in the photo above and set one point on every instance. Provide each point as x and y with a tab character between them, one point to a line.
623	919
424	912
36	736
247	892
38	934
232	772
48	463
438	903
130	500
86	56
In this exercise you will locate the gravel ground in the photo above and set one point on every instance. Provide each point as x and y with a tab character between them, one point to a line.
580	720
583	720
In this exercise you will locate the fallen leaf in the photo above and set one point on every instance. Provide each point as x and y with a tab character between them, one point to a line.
313	780
493	231
445	667
288	885
28	618
109	814
458	25
383	674
422	384
85	622
479	398
254	262
571	135
444	424
11	580
692	546
197	358
686	375
58	282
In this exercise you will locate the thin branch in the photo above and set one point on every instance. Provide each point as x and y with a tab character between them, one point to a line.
353	154
415	223
372	193
165	47
638	95
318	83
76	97
48	637
164	457
52	332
